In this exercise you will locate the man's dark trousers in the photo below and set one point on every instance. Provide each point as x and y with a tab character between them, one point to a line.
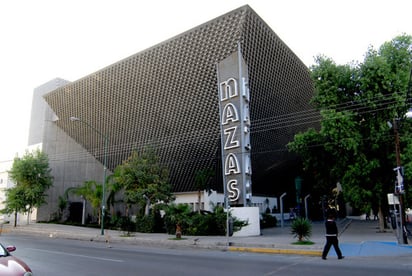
331	240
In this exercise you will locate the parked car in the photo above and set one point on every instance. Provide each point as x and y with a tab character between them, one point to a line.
10	265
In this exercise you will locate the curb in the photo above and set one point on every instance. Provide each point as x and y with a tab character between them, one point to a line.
277	251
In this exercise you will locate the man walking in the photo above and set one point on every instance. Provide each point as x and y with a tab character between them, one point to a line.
331	237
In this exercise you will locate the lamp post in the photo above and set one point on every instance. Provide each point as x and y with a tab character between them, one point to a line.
106	142
306	206
281	210
399	190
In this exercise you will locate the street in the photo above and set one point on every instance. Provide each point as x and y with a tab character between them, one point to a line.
49	256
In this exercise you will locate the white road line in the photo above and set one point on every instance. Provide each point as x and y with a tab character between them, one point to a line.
76	255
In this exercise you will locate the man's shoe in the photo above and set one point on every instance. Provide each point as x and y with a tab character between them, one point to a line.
341	257
323	258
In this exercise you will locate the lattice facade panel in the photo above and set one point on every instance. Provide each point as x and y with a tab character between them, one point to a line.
166	97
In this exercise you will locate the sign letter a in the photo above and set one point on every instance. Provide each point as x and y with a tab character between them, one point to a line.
229	114
231	164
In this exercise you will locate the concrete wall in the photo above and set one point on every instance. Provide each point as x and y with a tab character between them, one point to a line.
212	199
70	163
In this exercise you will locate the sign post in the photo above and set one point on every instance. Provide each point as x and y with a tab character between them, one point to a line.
234	97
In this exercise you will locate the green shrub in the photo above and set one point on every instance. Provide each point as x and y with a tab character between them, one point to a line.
267	221
126	224
301	228
177	214
145	224
198	224
152	223
122	223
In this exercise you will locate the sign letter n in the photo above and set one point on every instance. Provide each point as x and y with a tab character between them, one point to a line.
228	89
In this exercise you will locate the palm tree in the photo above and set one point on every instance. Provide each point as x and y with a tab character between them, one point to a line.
301	228
113	188
177	215
92	192
201	180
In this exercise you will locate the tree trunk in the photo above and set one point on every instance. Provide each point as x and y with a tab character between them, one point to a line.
146	210
15	219
381	220
28	216
199	200
178	231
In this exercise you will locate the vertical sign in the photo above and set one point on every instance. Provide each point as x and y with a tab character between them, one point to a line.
234	99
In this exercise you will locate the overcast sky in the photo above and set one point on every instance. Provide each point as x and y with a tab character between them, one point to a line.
69	39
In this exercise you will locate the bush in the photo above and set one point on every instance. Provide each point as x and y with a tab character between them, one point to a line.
301	228
267	221
152	223
198	224
145	224
177	214
121	222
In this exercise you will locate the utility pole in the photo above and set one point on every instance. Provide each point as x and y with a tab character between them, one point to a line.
281	210
399	188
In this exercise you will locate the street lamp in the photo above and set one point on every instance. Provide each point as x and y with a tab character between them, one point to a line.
106	142
399	190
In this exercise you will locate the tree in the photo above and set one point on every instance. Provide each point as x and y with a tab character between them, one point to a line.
14	202
354	145
178	218
143	179
201	180
92	192
32	177
113	188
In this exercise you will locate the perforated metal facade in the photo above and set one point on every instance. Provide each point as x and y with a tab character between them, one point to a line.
167	97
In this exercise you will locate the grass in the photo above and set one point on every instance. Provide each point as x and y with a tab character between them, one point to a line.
124	235
177	239
303	243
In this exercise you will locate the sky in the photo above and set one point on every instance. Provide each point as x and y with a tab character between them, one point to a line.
44	39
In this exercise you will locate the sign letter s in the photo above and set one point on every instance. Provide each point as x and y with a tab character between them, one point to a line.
233	191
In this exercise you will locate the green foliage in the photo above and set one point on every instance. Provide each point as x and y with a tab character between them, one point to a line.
62	205
123	223
15	200
198	224
201	182
177	214
152	223
238	224
93	193
202	177
32	177
406	156
354	145
301	228
303	243
267	221
143	180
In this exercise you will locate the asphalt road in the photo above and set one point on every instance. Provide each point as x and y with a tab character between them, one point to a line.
47	256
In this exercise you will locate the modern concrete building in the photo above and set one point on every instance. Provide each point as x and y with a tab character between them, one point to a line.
5	183
166	97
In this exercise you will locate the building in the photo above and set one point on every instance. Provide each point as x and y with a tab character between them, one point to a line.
166	97
5	183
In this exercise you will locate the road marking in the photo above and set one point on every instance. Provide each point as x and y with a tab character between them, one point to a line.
77	255
279	269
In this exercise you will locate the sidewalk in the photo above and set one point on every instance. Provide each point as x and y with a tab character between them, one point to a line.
358	238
